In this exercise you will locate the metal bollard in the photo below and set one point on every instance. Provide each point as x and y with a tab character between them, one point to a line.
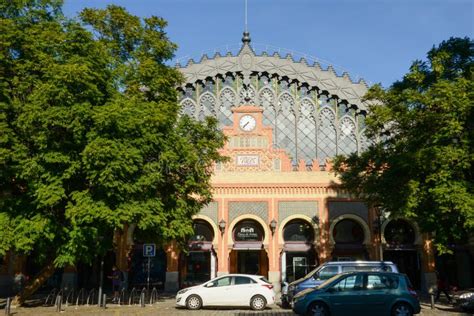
432	301
142	299
59	300
8	306
104	301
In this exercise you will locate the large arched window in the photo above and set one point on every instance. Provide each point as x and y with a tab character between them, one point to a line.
202	231
348	231
399	232
248	231
298	231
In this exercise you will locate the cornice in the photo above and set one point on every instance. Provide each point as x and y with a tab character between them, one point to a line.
275	189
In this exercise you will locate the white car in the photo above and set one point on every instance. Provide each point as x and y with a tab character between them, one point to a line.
229	290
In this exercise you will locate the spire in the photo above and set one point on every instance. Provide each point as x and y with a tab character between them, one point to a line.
246	37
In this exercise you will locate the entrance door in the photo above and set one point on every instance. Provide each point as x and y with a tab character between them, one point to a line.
407	262
248	262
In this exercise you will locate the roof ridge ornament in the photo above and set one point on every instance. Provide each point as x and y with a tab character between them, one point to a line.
246	38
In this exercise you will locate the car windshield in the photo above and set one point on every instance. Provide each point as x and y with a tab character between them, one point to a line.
328	281
310	274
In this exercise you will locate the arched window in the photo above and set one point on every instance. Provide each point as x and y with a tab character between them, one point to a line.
202	231
347	136
348	231
306	132
298	231
326	134
248	231
399	232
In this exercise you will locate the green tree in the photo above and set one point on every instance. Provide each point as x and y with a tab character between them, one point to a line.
421	165
90	136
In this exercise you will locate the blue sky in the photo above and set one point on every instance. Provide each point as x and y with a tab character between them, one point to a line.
372	39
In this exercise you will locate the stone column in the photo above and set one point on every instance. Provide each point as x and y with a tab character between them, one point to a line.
213	265
274	272
283	266
222	250
172	267
325	246
428	266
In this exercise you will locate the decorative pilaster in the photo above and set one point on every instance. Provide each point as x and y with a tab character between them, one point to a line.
172	267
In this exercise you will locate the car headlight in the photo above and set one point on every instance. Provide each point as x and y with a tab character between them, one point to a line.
183	291
466	296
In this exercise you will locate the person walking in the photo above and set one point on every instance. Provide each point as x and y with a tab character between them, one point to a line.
442	286
116	283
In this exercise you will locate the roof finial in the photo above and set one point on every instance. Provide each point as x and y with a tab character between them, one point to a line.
246	37
246	24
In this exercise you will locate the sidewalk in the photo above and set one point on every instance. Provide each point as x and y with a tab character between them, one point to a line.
165	306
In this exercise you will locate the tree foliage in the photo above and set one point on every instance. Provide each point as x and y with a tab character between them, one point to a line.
421	165
90	136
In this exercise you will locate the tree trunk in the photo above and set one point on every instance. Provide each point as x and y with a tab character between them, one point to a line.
35	284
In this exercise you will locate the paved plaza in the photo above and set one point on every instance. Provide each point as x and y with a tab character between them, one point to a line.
166	307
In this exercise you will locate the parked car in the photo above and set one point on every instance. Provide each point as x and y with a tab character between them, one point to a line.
328	270
359	293
229	290
464	299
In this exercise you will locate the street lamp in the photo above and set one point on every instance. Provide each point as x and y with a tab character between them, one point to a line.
273	225
222	224
377	224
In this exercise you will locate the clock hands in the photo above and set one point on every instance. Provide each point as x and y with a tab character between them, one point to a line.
246	124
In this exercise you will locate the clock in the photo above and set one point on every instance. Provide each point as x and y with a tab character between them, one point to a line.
247	123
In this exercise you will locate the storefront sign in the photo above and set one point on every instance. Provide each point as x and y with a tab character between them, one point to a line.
247	160
247	233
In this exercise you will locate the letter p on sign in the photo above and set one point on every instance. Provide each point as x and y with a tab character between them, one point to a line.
149	250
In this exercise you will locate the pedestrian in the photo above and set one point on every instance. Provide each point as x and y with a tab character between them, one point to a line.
19	282
116	283
442	286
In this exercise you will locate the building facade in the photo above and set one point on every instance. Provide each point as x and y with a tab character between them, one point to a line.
277	210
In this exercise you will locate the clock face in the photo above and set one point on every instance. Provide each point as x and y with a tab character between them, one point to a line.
247	123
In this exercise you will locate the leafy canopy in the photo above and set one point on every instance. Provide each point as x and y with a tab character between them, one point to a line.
90	136
421	166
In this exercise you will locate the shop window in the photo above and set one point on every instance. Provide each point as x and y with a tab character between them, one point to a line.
348	231
198	266
298	231
202	232
399	232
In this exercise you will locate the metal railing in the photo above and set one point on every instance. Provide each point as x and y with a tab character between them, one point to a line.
62	298
81	296
50	297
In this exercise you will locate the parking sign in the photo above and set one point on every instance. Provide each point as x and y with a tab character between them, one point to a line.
149	250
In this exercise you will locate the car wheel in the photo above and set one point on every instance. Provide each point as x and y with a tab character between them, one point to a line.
194	302
258	303
318	309
402	309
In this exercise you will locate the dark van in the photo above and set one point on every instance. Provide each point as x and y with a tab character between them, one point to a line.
328	270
